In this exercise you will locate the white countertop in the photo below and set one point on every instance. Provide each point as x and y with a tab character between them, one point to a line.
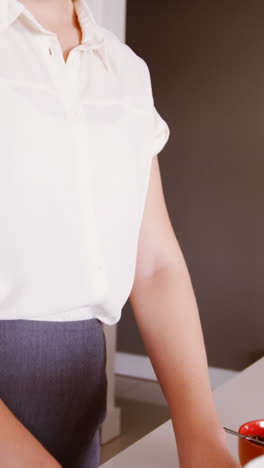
239	400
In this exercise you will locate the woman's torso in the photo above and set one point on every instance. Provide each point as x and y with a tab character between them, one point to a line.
76	147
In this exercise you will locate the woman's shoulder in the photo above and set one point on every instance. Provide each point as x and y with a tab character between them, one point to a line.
132	69
122	50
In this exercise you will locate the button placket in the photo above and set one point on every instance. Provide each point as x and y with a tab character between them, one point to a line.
65	77
84	177
75	109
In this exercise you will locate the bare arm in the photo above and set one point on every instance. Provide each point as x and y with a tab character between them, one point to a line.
166	311
18	447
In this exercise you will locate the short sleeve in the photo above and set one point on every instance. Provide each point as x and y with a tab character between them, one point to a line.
137	86
161	130
161	133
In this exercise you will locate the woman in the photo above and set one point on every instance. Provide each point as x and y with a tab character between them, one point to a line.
84	227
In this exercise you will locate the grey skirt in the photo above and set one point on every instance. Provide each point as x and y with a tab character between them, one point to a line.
52	377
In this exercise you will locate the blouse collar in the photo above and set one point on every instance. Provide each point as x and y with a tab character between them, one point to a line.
93	37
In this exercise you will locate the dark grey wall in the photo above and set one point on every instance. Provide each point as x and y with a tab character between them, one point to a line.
207	65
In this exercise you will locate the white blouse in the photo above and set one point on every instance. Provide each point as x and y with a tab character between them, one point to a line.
76	146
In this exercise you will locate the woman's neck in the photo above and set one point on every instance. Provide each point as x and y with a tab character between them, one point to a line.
58	16
52	13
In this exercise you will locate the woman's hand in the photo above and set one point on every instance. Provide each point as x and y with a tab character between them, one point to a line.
208	453
211	458
18	447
